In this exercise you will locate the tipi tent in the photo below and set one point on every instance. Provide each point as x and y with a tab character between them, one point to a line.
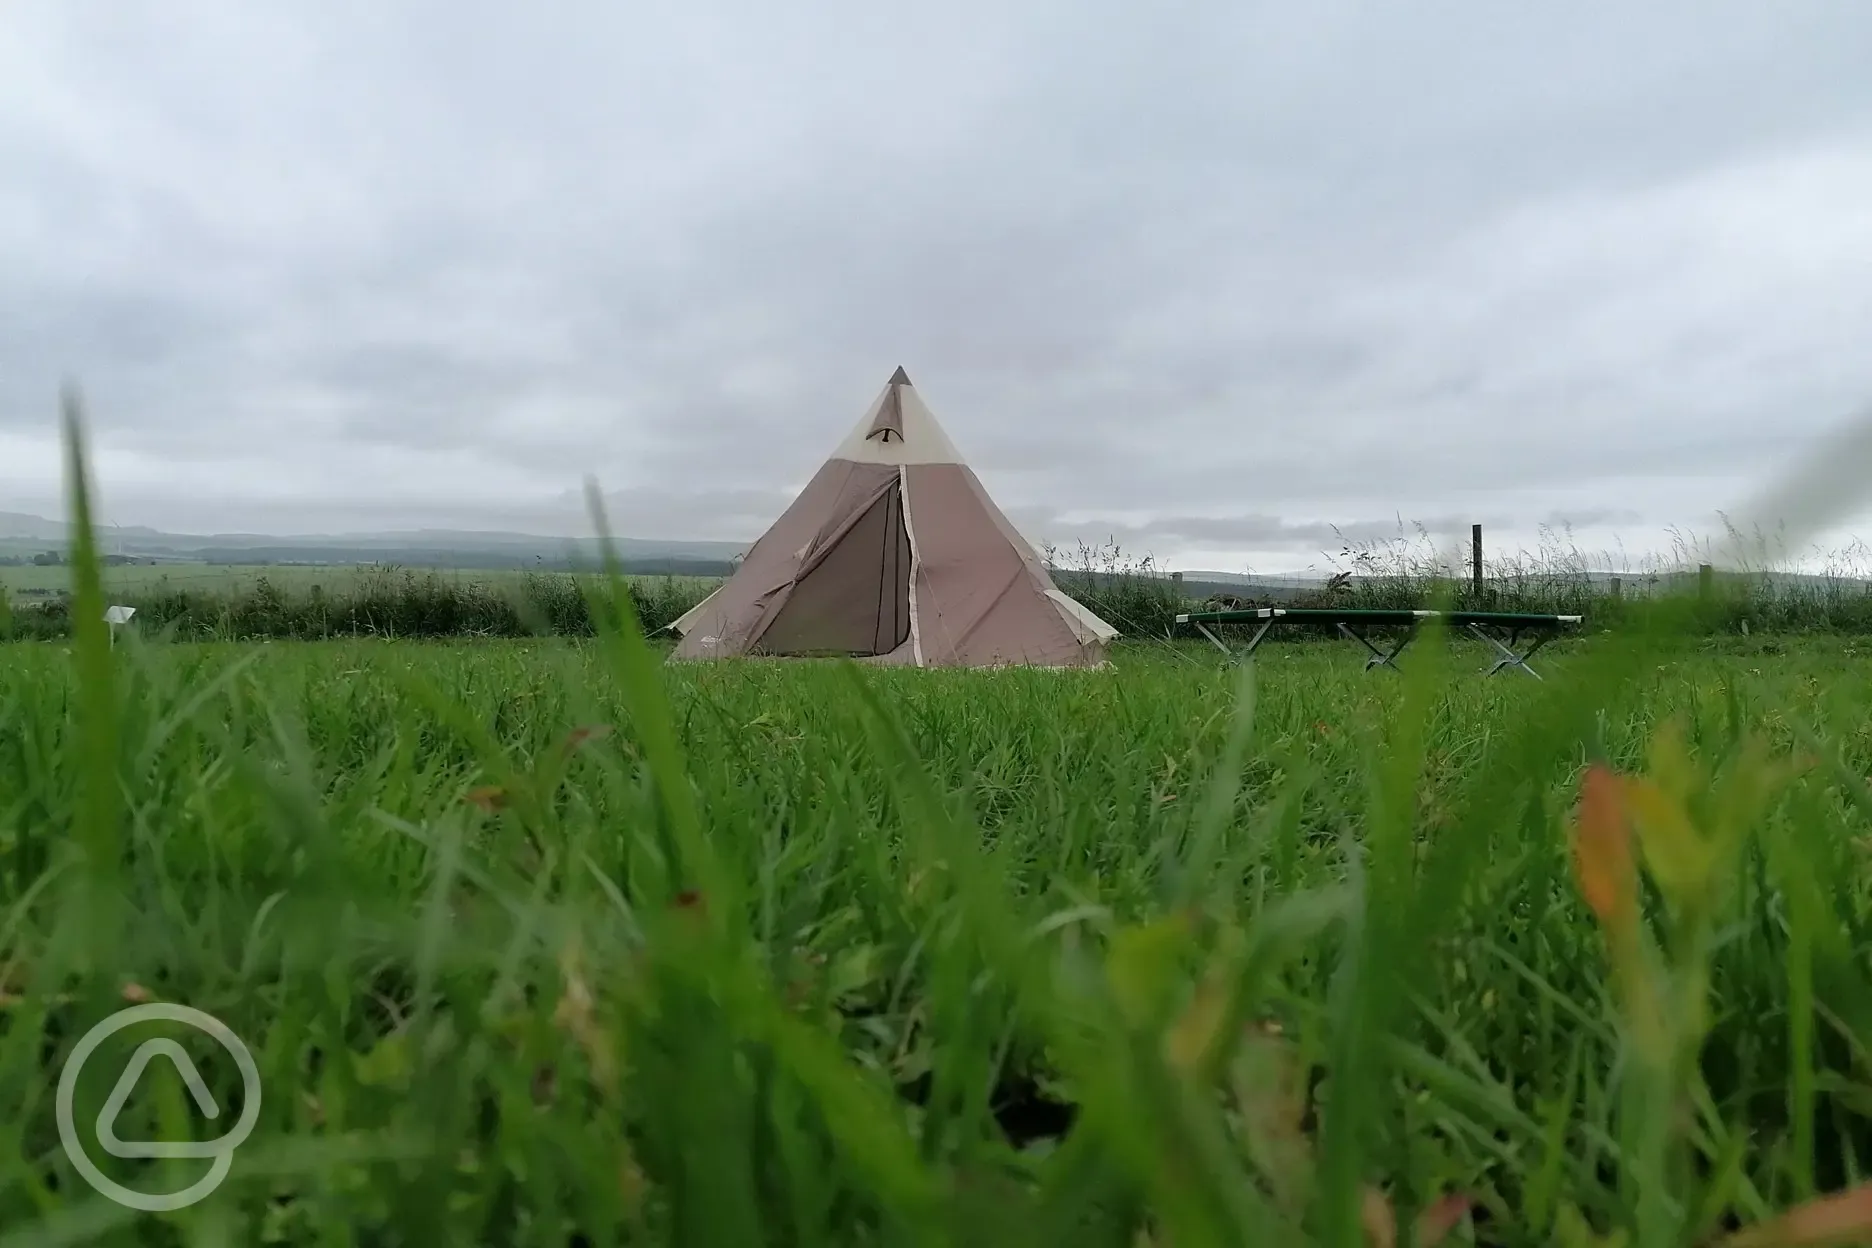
894	553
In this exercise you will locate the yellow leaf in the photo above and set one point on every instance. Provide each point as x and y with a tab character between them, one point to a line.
1376	1217
1747	790
576	1015
1602	856
490	797
1678	857
1142	966
1843	1218
1270	1090
1439	1218
1668	762
387	1065
1194	1043
1198	1027
588	732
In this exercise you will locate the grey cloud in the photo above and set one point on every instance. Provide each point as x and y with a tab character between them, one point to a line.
1195	261
1592	518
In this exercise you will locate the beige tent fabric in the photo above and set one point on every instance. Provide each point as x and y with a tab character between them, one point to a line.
1087	627
687	620
728	620
978	601
854	599
923	440
895	554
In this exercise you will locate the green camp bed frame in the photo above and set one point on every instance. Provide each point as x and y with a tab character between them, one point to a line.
1503	630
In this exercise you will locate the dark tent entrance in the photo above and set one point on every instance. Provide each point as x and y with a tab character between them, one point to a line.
854	597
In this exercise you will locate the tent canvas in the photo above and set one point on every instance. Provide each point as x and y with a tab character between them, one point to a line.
894	553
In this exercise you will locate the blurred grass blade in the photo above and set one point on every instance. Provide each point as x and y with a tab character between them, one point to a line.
639	675
99	795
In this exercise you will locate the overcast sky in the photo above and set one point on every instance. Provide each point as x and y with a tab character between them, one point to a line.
1208	277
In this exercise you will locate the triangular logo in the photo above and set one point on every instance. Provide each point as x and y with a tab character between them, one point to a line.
126	1083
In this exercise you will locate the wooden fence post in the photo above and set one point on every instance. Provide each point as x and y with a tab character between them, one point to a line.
1475	559
1706	581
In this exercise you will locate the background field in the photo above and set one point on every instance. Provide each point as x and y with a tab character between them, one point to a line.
536	944
303	601
145	579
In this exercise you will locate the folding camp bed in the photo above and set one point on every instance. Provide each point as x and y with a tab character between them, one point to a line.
1503	630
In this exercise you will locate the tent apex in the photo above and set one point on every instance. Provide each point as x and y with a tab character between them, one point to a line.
899	378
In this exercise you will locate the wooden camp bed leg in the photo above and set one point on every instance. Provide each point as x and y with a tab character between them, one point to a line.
1534	649
1377	657
1217	640
1508	656
1259	634
1252	641
1346	631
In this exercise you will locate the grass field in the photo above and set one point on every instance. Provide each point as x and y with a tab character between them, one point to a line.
540	943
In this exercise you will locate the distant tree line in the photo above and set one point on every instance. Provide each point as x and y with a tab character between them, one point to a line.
348	557
56	559
1140	603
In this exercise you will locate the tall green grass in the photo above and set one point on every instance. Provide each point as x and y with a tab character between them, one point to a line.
537	942
394	604
545	943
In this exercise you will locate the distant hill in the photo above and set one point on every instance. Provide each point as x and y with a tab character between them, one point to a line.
22	535
14	524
